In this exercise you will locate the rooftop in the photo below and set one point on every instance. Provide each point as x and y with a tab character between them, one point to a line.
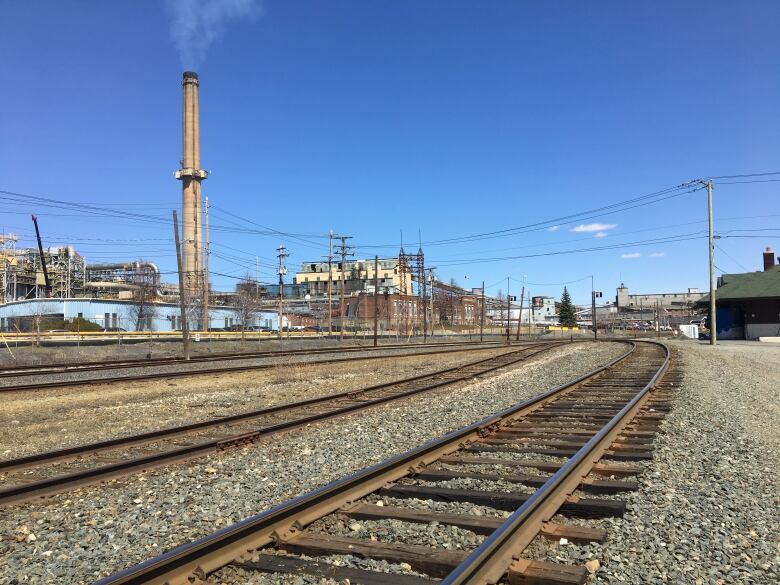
749	285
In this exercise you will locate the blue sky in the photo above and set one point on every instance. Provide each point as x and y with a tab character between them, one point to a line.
369	118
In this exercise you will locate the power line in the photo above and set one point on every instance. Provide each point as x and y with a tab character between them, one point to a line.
746	175
746	182
551	283
655	241
632	203
732	259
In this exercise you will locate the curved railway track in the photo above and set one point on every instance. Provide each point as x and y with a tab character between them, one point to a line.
554	449
194	367
44	474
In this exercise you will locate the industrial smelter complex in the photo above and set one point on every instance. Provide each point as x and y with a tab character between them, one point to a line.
46	288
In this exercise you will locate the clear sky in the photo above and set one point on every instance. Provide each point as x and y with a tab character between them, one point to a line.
447	119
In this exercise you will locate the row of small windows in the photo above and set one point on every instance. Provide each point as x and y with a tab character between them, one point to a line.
388	265
306	278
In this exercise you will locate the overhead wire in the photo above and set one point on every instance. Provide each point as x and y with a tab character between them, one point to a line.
654	241
731	258
648	199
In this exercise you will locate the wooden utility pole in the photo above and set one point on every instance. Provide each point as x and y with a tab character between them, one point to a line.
520	317
330	283
185	332
206	319
508	310
597	294
344	254
430	274
376	301
282	270
257	277
482	316
713	315
424	289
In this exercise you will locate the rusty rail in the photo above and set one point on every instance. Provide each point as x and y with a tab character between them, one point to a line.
385	392
491	560
229	369
285	522
69	367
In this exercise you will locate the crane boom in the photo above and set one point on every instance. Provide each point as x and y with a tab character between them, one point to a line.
43	258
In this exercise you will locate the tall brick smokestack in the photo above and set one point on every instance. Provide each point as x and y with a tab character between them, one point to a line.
769	258
191	175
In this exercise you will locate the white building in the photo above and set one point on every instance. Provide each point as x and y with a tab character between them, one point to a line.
112	313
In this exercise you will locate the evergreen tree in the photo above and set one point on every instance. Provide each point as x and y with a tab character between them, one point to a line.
566	310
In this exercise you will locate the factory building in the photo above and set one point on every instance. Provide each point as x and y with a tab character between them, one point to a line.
748	304
542	311
358	277
682	301
69	274
394	308
115	314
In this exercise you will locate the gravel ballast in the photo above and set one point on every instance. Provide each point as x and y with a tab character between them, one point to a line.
707	511
92	532
50	419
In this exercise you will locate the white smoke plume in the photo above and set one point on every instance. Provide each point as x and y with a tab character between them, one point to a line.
196	24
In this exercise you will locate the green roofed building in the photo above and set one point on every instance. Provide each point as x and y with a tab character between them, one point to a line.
748	304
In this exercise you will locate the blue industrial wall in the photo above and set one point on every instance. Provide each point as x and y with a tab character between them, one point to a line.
120	313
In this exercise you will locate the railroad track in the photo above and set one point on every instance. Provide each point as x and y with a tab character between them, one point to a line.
63	368
557	451
195	369
45	474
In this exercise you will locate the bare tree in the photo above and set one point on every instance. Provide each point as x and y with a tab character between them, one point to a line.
247	304
500	298
143	311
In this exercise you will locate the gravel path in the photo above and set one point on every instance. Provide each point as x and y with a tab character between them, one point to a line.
707	512
77	537
50	419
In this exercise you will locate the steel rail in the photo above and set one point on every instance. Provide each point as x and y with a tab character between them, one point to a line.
222	370
168	432
200	557
41	488
67	368
490	561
